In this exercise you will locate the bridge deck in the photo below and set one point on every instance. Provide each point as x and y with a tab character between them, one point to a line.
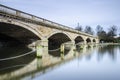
11	13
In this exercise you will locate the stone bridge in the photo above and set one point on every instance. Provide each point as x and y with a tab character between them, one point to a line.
28	29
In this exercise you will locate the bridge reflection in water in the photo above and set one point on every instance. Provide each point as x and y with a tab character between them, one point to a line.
30	65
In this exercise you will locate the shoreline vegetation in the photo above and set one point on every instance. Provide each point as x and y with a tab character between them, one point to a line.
112	34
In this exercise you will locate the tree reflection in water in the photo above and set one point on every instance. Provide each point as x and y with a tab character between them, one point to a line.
110	50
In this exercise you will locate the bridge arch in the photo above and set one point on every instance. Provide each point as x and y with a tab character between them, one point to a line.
94	41
24	25
88	40
56	39
19	31
56	32
79	39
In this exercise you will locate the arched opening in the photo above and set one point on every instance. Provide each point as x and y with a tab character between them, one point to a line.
13	41
88	40
94	41
11	34
79	39
55	41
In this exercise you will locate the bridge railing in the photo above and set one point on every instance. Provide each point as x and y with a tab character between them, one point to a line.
16	13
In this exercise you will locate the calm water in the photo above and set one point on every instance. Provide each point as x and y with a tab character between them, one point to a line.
100	63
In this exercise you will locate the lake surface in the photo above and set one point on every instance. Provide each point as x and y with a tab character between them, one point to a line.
102	64
99	63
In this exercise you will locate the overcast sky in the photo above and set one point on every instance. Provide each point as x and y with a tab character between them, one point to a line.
69	12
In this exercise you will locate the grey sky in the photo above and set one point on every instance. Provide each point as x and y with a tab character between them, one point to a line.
70	12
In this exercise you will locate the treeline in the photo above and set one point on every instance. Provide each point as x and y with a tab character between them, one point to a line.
104	36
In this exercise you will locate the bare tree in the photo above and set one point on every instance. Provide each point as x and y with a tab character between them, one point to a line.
112	31
99	29
88	30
